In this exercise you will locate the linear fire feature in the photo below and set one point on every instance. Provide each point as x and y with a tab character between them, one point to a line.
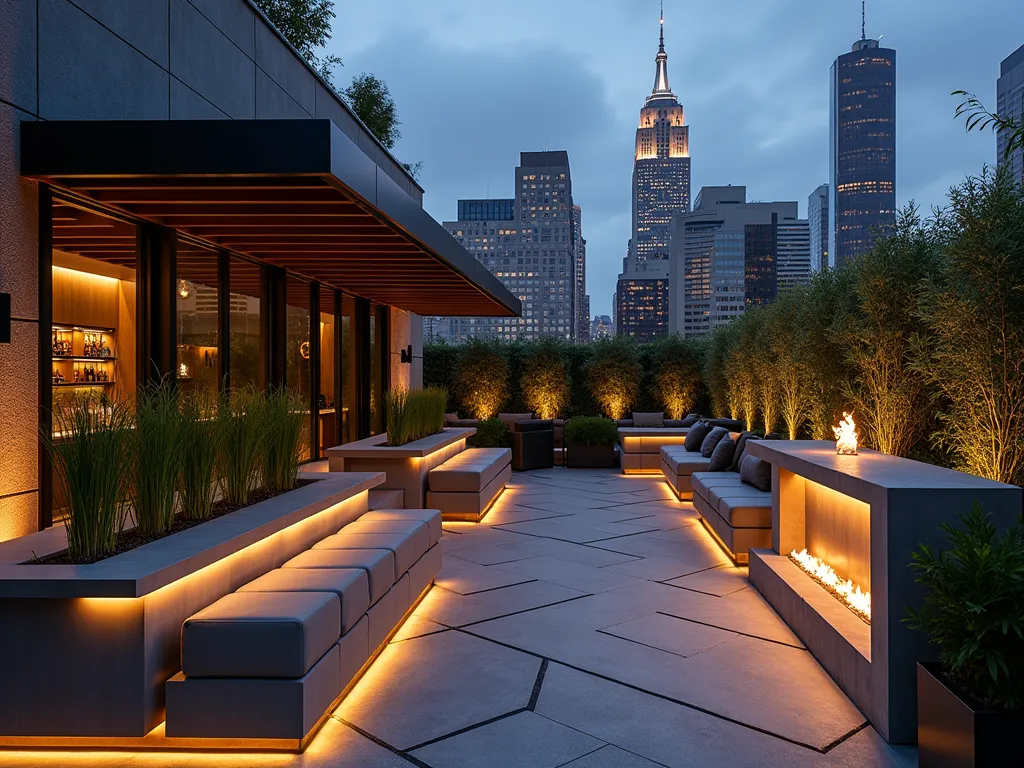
862	515
845	591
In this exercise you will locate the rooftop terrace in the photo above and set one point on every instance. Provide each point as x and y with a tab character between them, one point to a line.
588	621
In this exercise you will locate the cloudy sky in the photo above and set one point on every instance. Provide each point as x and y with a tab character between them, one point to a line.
476	82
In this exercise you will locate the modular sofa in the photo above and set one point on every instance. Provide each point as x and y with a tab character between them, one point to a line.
737	514
466	485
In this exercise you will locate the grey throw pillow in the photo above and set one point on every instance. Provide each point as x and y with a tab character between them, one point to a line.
721	457
690	420
755	472
707	446
648	419
695	437
740	451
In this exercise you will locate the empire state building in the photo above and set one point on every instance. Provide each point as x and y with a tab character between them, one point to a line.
661	168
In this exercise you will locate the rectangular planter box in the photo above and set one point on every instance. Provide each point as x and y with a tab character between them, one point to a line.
591	456
405	466
85	650
954	731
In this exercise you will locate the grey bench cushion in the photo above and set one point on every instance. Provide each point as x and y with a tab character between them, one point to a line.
416	529
745	511
469	471
260	634
407	550
684	462
432	518
351	585
379	565
715	495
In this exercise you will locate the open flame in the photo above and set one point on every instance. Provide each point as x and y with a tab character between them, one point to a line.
846	591
846	436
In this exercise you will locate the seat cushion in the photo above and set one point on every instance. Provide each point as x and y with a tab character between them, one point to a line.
704	482
379	565
742	491
405	547
432	518
469	471
417	529
746	511
684	462
260	634
351	585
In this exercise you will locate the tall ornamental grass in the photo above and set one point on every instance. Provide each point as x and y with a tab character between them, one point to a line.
241	427
156	458
200	447
283	416
92	448
414	415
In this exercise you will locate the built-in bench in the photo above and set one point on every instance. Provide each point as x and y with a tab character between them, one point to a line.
738	515
270	660
678	466
641	447
466	485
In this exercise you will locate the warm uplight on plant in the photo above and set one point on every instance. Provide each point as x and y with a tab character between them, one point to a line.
846	436
845	590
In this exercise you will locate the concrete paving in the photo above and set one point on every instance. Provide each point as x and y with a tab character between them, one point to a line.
588	621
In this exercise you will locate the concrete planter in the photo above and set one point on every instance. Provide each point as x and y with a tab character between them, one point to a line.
85	650
590	456
955	731
405	466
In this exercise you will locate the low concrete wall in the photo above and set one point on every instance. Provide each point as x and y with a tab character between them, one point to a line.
104	638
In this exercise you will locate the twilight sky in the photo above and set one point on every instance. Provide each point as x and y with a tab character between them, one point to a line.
477	82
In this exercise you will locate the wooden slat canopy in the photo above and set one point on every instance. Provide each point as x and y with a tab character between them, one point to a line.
295	193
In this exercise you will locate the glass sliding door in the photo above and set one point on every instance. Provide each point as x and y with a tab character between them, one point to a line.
297	354
378	376
197	319
245	350
328	400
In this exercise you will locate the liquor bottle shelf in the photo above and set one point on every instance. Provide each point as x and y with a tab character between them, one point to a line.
83	359
83	384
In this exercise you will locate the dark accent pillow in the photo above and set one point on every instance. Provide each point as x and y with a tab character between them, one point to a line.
740	451
690	420
707	446
512	418
695	437
755	472
648	419
721	457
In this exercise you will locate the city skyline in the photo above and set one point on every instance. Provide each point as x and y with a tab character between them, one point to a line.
759	109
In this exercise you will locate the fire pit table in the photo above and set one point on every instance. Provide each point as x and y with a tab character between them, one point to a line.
860	518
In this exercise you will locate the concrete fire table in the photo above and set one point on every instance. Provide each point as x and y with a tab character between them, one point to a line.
864	516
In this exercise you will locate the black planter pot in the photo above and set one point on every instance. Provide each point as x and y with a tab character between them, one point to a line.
954	730
590	456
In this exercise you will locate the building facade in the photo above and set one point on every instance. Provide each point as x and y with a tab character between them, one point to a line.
125	266
817	220
1010	103
661	190
601	328
580	300
793	265
725	257
862	149
533	243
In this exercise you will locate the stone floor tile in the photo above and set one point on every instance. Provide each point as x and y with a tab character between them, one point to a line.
417	626
339	746
867	749
661	731
655	568
467	577
576	531
454	610
716	581
428	687
585	578
668	634
612	757
525	739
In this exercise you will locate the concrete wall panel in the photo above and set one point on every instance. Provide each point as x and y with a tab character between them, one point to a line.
186	104
19	515
87	73
273	102
18	399
237	20
206	60
19	228
142	24
288	70
18	53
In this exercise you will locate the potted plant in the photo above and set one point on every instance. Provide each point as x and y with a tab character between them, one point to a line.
971	702
590	442
491	433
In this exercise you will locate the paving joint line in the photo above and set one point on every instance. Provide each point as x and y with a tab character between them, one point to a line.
381	743
734	631
516	613
467	729
482	591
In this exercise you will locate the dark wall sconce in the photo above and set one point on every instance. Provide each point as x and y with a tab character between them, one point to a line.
5	318
406	355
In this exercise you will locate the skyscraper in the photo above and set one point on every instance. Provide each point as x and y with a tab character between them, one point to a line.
661	167
793	255
581	301
862	148
661	190
1010	103
726	255
817	219
529	242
